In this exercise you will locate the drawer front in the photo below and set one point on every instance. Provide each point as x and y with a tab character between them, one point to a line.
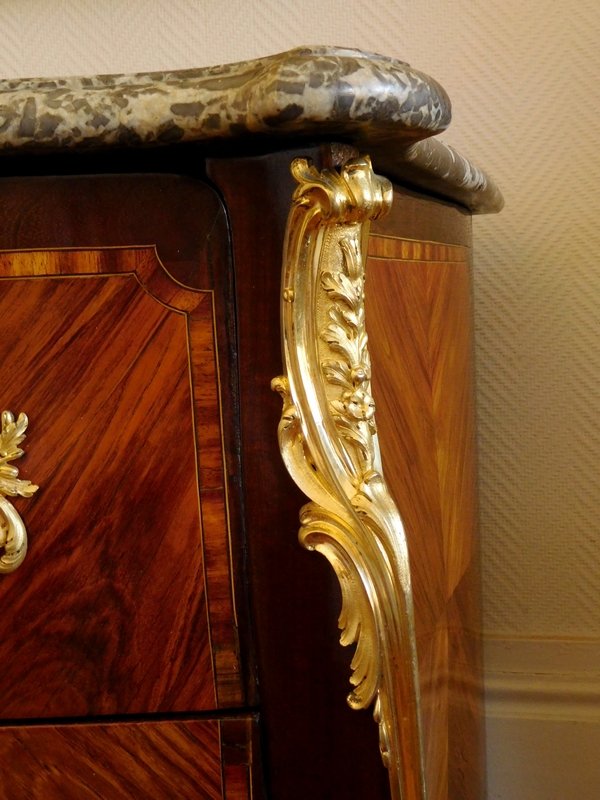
115	365
205	759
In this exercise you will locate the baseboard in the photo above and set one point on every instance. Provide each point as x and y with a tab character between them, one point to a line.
550	679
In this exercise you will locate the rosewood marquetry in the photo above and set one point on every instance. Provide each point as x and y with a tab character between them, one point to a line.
118	761
111	600
183	226
418	314
139	330
241	758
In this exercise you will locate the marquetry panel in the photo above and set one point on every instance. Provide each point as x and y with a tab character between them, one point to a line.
184	221
115	364
419	323
242	773
121	761
388	247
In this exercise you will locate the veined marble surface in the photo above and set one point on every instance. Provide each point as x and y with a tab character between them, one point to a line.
381	105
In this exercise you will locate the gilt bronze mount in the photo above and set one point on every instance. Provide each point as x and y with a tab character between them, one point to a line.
328	440
13	534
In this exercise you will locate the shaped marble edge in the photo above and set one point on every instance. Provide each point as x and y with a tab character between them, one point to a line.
379	104
436	167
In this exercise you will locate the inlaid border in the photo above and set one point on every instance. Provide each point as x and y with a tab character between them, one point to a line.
198	308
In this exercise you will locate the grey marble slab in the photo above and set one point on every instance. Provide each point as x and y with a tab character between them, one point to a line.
381	105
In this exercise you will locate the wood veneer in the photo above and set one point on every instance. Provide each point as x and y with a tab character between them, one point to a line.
415	216
185	220
417	295
418	317
240	756
418	313
187	759
110	601
119	761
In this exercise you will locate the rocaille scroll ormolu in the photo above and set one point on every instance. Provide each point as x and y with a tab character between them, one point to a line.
13	534
328	441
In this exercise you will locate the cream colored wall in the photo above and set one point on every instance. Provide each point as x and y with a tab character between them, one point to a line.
524	78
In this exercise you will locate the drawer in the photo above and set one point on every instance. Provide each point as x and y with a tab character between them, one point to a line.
199	759
124	603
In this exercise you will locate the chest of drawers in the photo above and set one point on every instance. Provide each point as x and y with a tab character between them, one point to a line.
165	635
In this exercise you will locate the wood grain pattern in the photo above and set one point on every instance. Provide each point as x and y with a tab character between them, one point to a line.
124	761
182	217
110	600
185	220
418	318
391	247
466	756
242	772
215	521
315	745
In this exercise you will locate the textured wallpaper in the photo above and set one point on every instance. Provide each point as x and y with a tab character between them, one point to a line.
523	76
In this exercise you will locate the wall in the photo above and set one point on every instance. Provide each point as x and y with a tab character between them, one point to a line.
523	79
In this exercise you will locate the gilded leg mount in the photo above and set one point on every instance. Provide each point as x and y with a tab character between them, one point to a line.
13	534
328	441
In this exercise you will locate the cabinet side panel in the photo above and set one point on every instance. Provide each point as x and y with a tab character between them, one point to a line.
414	216
419	322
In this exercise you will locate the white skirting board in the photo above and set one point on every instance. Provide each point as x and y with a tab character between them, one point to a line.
543	718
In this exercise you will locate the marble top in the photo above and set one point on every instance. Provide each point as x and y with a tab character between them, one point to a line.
379	104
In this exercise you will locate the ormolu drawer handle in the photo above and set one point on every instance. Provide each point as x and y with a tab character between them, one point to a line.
13	534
